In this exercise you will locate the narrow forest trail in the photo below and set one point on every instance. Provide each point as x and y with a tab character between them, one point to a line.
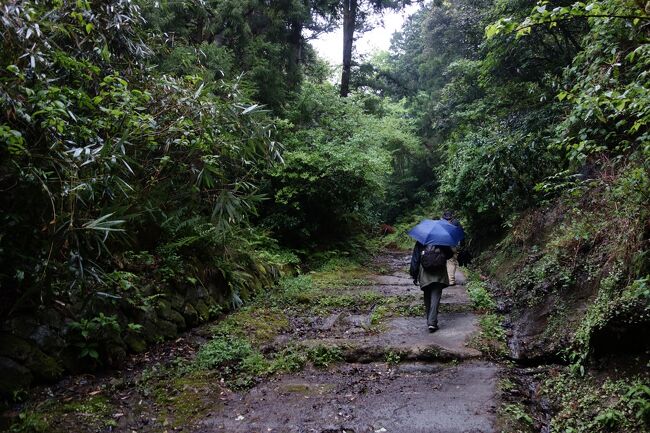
431	382
349	354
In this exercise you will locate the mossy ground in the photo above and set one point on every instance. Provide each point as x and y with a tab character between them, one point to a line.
91	413
183	399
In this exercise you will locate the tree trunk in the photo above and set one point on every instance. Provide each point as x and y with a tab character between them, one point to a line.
349	21
295	53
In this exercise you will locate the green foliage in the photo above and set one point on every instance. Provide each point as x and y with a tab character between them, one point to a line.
378	314
113	156
629	306
583	264
593	404
324	356
288	360
298	290
503	114
30	422
518	413
492	337
479	295
609	418
638	399
491	176
484	119
257	42
339	161
608	111
393	358
256	323
93	332
224	353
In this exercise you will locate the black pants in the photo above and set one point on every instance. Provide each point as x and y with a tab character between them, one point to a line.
432	295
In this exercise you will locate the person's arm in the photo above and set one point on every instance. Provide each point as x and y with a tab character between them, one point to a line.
414	270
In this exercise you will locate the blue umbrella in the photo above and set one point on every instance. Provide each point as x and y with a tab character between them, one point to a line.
437	232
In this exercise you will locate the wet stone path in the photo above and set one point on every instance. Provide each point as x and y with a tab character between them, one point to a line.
436	383
389	375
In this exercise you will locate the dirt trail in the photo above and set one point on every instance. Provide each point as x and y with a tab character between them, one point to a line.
439	385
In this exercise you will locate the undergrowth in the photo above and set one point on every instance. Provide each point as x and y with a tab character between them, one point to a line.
591	404
491	338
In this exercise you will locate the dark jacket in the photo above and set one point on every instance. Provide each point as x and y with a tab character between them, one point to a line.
414	270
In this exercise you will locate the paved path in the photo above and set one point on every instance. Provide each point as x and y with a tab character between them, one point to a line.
425	392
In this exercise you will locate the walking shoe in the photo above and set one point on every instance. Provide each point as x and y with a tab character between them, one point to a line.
433	328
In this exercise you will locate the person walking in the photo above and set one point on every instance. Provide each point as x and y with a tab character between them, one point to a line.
452	263
428	270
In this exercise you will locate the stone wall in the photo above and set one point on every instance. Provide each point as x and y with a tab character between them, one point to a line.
42	346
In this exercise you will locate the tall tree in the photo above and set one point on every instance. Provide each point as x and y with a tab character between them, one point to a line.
356	17
263	39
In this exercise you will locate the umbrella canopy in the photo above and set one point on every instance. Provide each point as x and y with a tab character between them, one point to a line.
437	232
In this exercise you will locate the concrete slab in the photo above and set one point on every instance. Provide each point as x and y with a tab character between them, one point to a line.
409	337
366	398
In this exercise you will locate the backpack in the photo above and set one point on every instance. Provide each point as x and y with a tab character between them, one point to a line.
433	258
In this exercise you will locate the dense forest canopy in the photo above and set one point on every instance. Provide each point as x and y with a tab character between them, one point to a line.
154	151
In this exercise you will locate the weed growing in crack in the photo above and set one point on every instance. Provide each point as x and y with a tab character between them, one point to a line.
241	365
369	297
288	360
224	353
332	302
92	413
379	313
491	340
393	358
256	323
324	356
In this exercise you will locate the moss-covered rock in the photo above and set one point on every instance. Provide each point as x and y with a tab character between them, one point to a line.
195	293
166	328
135	343
155	328
13	376
191	315
47	338
28	354
115	354
150	330
202	309
166	312
177	301
21	326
